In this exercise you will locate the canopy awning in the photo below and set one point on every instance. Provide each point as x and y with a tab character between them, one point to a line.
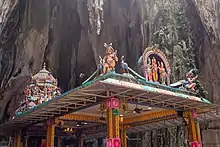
91	93
173	121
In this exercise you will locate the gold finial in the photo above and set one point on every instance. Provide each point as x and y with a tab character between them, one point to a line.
44	66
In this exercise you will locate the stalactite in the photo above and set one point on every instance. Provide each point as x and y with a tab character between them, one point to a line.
96	14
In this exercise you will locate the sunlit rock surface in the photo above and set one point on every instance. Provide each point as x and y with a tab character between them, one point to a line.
69	35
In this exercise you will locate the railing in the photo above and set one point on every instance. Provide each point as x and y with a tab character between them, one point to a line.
4	143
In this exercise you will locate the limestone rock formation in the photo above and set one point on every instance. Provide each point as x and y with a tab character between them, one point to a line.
69	35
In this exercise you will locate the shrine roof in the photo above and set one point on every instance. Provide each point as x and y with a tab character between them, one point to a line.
114	78
134	90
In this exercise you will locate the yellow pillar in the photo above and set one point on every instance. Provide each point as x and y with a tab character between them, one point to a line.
15	140
198	132
26	141
113	121
124	138
117	126
50	135
18	140
109	124
194	130
123	133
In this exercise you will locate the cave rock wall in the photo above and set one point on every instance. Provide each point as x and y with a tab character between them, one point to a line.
68	35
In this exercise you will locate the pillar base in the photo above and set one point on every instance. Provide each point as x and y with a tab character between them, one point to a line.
195	144
113	142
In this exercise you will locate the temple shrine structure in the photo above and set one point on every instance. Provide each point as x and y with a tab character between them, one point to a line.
111	104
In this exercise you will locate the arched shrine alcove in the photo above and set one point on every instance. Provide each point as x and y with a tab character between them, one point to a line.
155	66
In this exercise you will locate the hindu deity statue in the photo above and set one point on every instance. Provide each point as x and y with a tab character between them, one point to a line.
58	91
154	70
190	82
100	66
163	74
45	94
30	101
27	91
149	70
49	93
35	94
43	87
124	65
155	66
110	59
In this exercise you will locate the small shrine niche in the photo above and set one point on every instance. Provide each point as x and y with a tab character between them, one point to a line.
43	87
156	67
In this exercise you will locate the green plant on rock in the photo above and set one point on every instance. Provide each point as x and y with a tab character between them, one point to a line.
175	40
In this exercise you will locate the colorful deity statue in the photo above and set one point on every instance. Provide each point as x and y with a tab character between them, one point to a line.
100	66
43	87
49	93
35	94
155	66
110	59
162	71
124	65
27	91
154	70
149	70
190	82
30	105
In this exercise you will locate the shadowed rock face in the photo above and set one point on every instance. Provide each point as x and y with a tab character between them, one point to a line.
69	36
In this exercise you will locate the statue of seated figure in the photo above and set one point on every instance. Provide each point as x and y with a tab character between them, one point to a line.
110	59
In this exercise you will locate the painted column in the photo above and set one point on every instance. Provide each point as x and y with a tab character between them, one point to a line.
17	140
26	141
59	142
50	133
113	123
198	132
124	138
123	133
194	130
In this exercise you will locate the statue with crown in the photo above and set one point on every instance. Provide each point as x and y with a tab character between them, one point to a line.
43	87
110	59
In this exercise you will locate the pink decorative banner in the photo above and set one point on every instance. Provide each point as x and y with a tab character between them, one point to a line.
194	114
195	144
113	142
113	103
